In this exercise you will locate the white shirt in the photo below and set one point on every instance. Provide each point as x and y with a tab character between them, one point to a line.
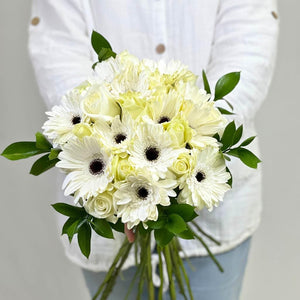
220	36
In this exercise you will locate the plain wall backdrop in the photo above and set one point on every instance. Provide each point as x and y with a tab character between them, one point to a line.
32	262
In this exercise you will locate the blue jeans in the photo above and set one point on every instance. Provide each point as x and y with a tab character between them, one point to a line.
207	282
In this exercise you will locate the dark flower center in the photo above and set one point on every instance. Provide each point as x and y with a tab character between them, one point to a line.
200	176
188	146
152	153
96	166
142	193
76	120
119	138
163	120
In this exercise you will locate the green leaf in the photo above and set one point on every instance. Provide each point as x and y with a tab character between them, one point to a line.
42	165
21	150
69	210
67	224
74	227
217	137
248	158
163	237
54	153
160	223
185	211
224	111
41	142
187	234
248	141
237	135
175	224
226	84
226	157
227	136
205	82
234	152
102	228
106	53
94	65
229	104
84	239
119	226
99	42
230	179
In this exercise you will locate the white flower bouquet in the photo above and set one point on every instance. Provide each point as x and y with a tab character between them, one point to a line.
143	149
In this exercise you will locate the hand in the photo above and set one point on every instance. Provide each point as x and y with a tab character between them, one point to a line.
129	233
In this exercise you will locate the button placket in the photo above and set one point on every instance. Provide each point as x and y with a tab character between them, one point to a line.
160	27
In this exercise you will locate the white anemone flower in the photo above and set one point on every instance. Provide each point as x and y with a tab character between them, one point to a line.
88	166
118	135
63	118
206	182
153	150
138	197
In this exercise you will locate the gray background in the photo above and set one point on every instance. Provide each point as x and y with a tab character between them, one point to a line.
32	262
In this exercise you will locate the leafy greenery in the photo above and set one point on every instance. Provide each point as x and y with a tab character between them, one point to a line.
205	82
21	150
102	227
163	237
84	239
231	137
42	165
69	210
226	84
41	142
102	47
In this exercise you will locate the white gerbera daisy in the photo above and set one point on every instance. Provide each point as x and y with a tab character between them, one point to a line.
153	150
118	135
138	197
88	166
164	108
206	182
62	119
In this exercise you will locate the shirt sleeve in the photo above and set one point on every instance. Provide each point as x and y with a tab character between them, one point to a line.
245	40
59	47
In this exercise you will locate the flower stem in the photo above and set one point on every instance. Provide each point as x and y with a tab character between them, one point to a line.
207	249
112	281
176	267
186	278
149	268
172	290
161	274
206	234
112	268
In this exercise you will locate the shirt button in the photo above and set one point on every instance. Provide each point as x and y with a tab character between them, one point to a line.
35	21
161	48
274	14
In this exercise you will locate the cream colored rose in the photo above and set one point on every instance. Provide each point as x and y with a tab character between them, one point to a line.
179	131
98	103
81	130
182	164
121	168
101	206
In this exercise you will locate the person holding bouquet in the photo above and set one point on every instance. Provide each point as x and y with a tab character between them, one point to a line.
218	36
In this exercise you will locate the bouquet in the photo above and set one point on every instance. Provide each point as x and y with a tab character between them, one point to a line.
144	149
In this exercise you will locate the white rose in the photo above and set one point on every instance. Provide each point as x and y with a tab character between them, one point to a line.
98	103
101	206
